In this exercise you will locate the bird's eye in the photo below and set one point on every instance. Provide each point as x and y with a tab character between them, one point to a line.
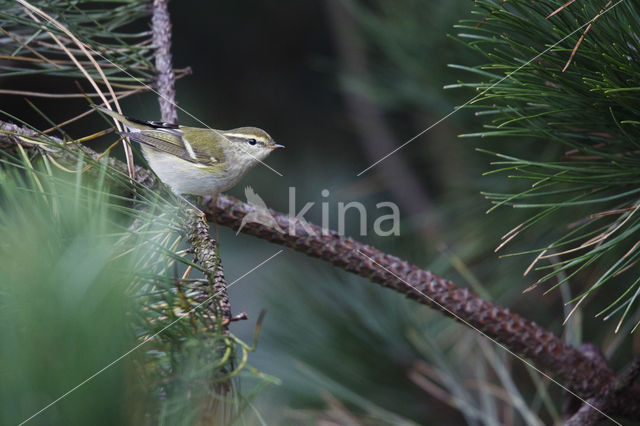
252	141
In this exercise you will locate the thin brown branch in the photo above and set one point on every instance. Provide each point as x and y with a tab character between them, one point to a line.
16	39
560	9
42	59
57	95
581	39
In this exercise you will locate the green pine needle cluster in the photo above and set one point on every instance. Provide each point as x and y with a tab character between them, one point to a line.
31	45
572	137
76	230
98	281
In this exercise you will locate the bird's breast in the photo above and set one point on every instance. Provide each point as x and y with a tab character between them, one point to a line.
185	177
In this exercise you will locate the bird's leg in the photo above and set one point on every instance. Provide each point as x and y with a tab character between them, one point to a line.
197	210
214	203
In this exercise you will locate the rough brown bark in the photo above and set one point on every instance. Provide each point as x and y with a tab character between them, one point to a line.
203	246
165	78
609	400
579	372
205	249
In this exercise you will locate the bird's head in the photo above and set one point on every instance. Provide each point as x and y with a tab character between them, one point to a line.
250	143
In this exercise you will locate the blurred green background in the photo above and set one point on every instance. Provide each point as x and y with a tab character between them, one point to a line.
336	82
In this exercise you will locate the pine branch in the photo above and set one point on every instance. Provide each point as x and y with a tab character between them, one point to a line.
523	337
587	416
205	249
579	372
9	143
572	136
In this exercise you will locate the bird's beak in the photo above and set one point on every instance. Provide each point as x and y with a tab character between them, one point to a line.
275	145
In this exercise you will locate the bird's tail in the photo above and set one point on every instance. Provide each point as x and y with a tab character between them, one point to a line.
135	124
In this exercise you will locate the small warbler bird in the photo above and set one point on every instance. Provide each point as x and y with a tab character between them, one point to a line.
197	161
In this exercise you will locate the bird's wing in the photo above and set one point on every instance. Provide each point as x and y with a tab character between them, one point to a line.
210	151
176	142
161	140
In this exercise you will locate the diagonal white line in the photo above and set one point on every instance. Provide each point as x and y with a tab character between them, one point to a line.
465	322
488	88
124	355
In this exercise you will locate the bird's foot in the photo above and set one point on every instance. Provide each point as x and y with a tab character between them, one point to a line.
193	208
